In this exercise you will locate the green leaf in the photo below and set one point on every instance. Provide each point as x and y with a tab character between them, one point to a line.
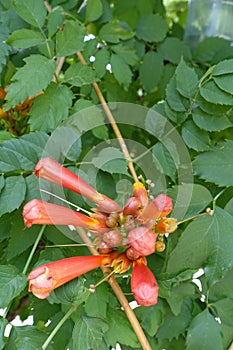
2	183
212	108
24	38
172	49
174	99
126	52
210	247
94	10
96	304
78	75
223	67
29	80
20	239
5	135
23	153
88	333
55	20
113	32
50	108
216	165
3	324
152	28
212	50
174	116
151	317
102	58
211	93
19	338
12	283
194	137
222	289
210	122
224	82
186	80
4	48
177	295
165	160
189	199
204	333
111	160
151	70
121	71
12	194
32	12
120	330
224	310
74	292
70	39
173	325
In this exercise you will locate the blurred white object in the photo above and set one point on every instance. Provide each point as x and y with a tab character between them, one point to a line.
208	18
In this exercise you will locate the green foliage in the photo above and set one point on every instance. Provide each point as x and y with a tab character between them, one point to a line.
174	110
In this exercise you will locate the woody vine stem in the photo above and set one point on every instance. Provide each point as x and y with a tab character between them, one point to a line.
111	280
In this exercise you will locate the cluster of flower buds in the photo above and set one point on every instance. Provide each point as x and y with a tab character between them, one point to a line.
15	119
124	237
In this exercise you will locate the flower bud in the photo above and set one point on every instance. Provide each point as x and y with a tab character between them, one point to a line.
142	240
144	285
132	254
160	246
129	223
112	220
112	238
103	248
131	206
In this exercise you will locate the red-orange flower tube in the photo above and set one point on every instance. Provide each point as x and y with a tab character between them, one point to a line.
143	284
39	212
159	207
45	278
52	171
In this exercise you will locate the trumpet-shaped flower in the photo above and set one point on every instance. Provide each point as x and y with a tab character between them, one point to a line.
39	212
159	207
143	284
50	170
45	278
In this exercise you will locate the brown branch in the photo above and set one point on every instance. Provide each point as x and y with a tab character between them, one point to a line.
119	294
59	64
113	123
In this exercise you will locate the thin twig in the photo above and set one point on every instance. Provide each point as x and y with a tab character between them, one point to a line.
113	123
60	62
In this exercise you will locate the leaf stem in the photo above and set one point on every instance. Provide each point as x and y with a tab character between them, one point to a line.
58	326
33	249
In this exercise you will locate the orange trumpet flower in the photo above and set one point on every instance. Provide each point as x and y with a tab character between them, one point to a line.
39	212
45	278
50	170
159	207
